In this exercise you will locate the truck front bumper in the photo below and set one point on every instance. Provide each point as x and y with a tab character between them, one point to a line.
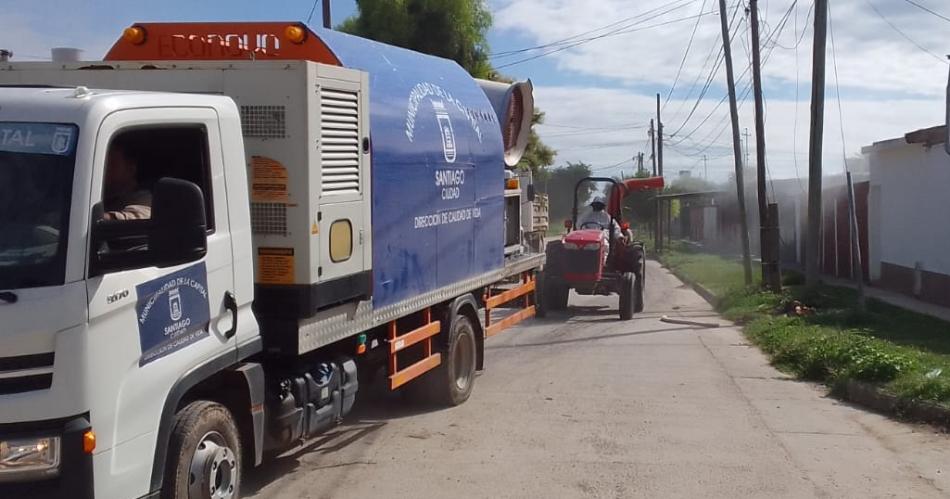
74	476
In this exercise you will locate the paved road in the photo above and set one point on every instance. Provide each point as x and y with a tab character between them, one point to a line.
582	405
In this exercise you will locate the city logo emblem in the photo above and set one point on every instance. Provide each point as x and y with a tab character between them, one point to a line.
445	127
174	304
61	140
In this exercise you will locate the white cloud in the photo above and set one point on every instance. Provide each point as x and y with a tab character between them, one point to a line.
617	109
888	85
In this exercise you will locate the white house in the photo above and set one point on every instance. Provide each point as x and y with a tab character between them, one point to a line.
910	214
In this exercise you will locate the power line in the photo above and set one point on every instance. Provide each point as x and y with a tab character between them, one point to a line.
775	33
685	55
574	37
312	9
925	9
906	37
622	31
834	62
710	78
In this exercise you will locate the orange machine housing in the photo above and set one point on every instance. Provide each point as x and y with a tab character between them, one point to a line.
220	41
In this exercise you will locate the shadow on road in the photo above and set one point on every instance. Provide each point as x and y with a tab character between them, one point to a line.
375	407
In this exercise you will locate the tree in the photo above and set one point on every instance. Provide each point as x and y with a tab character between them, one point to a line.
453	29
559	185
537	156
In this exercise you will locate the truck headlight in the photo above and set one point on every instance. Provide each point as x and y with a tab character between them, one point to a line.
36	457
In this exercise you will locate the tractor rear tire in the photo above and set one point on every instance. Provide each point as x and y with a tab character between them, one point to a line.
540	301
627	295
639	286
557	294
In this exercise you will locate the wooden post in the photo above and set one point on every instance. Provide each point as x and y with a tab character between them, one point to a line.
772	265
736	146
857	269
326	14
813	242
764	222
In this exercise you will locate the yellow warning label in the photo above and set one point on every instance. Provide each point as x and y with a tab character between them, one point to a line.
268	181
275	265
314	229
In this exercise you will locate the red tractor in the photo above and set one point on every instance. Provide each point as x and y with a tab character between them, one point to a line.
583	261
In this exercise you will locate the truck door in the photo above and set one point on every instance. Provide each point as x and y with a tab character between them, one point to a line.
149	325
345	247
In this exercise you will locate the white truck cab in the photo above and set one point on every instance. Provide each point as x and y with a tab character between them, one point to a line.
64	321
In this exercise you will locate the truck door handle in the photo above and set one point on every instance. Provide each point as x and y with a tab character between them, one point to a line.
230	303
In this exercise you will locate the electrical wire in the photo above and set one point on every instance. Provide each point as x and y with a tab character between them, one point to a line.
689	45
925	9
615	33
574	37
834	62
312	9
905	35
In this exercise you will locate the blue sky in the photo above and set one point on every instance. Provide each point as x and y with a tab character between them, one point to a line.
599	95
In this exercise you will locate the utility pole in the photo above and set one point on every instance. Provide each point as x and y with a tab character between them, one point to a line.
736	148
659	138
857	269
745	152
812	256
767	247
653	147
659	172
705	169
326	14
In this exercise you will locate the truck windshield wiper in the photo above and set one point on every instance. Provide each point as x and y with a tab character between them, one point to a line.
8	296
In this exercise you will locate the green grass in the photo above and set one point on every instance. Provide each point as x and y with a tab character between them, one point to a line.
906	353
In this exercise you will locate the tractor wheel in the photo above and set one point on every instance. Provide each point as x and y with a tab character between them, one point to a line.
627	295
540	301
639	285
556	294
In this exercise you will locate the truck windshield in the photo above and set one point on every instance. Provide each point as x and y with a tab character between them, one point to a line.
36	176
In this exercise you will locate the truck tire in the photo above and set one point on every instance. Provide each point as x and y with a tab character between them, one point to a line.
450	384
204	459
627	295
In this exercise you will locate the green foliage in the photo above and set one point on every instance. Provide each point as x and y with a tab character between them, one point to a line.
453	29
559	185
537	155
906	353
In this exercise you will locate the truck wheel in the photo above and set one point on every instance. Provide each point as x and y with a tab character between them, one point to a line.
451	383
639	286
204	454
627	296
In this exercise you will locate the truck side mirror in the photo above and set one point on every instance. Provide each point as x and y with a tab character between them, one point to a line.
175	234
531	192
179	232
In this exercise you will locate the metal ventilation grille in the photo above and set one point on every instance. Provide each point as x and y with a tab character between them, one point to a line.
264	122
269	218
339	142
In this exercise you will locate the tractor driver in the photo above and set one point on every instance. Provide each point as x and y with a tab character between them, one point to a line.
598	218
